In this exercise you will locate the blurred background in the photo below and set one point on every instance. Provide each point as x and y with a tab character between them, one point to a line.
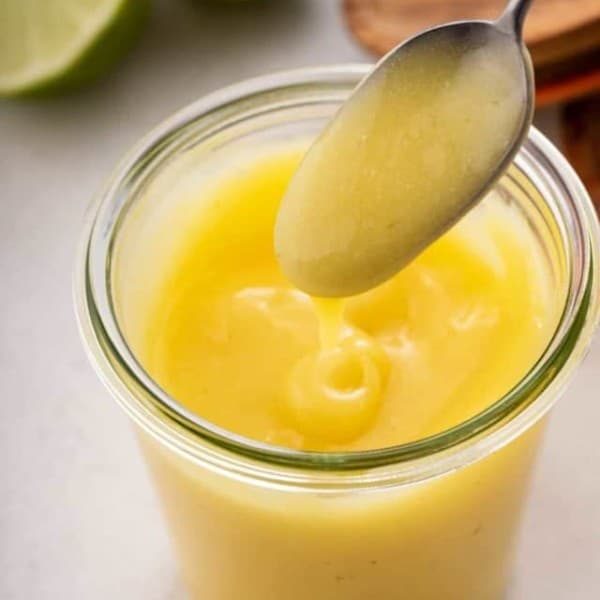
82	82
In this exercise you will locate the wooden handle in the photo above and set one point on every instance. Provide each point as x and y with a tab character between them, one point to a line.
580	130
553	29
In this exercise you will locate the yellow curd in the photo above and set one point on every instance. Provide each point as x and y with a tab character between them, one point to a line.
212	318
233	341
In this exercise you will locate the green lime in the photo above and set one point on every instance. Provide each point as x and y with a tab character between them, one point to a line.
50	45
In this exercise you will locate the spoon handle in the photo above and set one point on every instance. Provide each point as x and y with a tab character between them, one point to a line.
513	17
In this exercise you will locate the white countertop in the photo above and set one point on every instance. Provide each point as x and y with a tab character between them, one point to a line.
78	520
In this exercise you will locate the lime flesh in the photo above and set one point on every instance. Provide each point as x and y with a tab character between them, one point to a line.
47	46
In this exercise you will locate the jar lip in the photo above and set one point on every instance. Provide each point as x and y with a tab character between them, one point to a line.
160	414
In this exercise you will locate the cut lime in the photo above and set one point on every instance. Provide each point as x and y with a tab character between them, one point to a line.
51	45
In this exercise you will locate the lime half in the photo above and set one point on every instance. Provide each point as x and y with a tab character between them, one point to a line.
50	45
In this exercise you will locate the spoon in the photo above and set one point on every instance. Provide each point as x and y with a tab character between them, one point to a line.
417	145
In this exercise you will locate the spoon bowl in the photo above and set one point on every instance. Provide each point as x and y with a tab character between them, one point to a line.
419	142
470	35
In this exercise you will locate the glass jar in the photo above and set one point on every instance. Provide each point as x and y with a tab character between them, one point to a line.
425	520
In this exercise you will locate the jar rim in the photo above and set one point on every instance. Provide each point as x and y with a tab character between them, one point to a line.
164	417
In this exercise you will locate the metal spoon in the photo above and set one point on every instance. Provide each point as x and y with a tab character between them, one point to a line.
364	202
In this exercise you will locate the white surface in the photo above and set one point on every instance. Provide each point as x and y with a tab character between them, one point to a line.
78	520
